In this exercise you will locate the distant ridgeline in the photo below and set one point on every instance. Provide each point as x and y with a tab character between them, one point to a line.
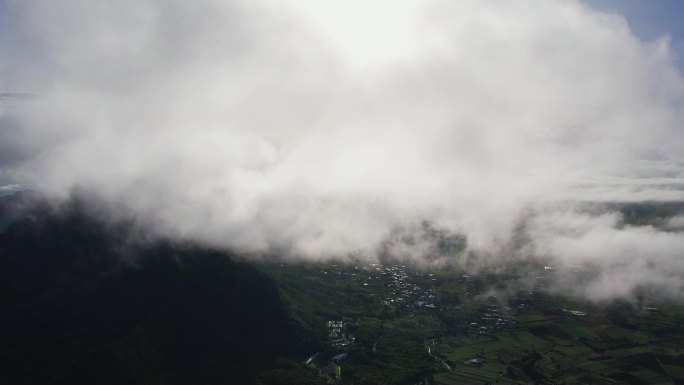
82	303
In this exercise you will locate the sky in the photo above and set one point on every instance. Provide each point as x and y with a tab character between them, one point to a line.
330	129
650	20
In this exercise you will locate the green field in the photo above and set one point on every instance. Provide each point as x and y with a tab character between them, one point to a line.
522	337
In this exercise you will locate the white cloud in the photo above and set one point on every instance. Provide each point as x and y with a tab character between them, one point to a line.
626	257
322	127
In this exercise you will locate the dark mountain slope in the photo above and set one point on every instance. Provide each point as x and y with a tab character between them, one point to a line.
19	205
73	312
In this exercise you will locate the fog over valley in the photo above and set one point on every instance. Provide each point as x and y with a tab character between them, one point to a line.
429	132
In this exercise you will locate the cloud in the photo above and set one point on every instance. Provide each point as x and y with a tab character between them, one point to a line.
676	222
325	128
10	187
624	258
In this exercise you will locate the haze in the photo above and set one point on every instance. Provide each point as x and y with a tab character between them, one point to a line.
321	129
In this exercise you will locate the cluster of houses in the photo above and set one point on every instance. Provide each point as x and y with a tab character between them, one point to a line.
493	319
401	290
337	334
333	371
339	339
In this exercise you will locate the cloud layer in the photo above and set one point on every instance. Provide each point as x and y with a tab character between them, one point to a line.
323	128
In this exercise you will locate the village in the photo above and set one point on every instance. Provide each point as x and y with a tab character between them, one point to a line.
383	320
